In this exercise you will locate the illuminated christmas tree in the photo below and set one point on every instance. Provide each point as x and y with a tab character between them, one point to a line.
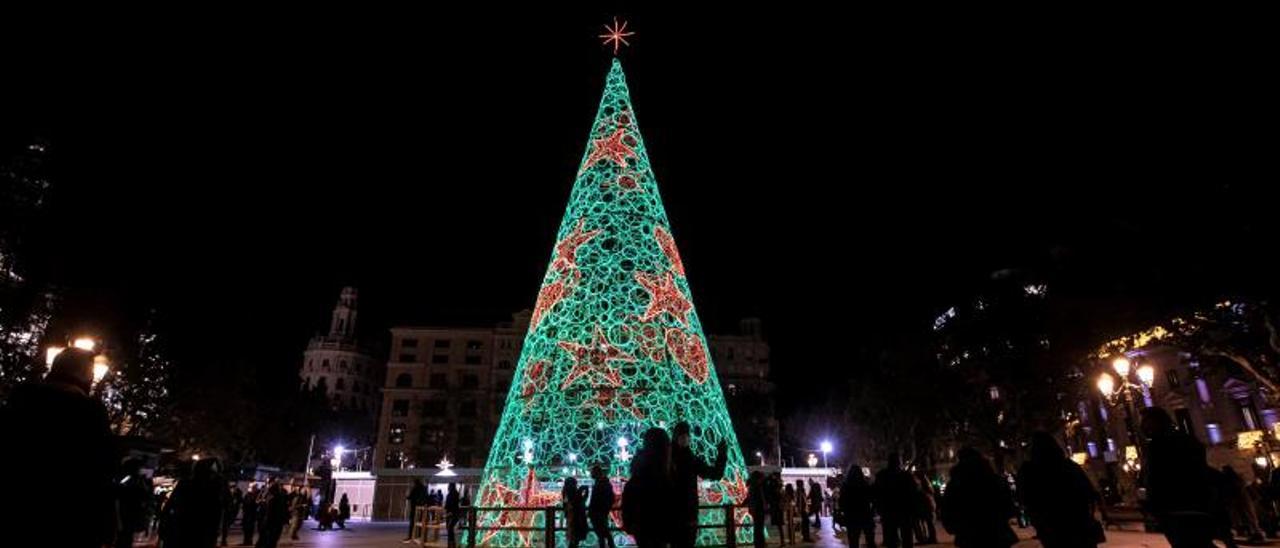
614	345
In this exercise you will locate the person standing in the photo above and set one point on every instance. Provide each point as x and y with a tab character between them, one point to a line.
1058	497
61	428
249	510
646	508
816	502
417	497
274	517
686	468
133	498
299	504
344	511
1179	482
573	501
599	506
802	511
789	514
855	503
230	507
895	500
926	509
452	507
977	505
773	500
756	507
197	506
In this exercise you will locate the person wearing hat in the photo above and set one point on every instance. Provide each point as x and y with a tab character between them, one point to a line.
60	455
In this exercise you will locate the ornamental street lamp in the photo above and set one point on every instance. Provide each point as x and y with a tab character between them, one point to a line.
826	449
1124	392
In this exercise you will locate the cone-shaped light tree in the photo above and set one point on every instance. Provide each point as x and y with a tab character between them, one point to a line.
614	345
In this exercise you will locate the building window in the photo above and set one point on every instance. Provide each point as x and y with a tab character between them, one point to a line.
1202	389
404	380
408	358
1248	415
466	434
1172	376
467	409
395	436
342	365
440	358
341	384
433	408
400	408
1215	433
439	380
1093	449
430	435
322	385
442	343
472	360
470	382
993	392
1183	416
324	365
393	459
504	364
408	343
474	345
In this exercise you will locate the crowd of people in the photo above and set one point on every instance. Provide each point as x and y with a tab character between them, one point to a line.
115	502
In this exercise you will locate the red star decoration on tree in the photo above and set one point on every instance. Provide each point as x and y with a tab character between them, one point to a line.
606	397
548	296
736	491
530	494
594	357
567	248
612	148
668	245
665	296
690	354
535	381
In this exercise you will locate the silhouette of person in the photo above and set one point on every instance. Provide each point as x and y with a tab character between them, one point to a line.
249	508
573	499
855	502
417	497
452	513
197	504
686	468
344	511
802	510
58	425
1179	482
599	506
133	498
773	500
646	509
1058	496
926	509
977	505
756	506
895	500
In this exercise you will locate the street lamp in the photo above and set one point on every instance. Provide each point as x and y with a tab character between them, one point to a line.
100	368
1120	390
760	455
826	448
337	458
85	343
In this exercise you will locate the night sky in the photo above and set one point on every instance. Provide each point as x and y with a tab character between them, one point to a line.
843	176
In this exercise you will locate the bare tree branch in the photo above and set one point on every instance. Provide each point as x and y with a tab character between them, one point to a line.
1245	364
1274	339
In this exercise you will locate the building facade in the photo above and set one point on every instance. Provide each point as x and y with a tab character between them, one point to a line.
337	364
1207	398
742	364
444	392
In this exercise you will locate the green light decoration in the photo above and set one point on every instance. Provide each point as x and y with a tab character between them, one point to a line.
614	347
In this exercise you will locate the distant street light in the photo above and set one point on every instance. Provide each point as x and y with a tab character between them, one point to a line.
826	448
760	455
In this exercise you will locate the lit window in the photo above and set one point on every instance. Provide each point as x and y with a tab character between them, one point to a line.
1111	445
1093	449
1202	388
1215	433
994	392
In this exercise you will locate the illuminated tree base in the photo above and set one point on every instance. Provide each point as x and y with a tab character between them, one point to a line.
614	347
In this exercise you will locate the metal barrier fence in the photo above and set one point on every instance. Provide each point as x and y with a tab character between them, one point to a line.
430	521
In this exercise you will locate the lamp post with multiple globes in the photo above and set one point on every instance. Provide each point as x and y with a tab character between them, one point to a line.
1131	381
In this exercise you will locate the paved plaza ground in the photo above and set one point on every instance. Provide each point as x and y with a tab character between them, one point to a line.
391	534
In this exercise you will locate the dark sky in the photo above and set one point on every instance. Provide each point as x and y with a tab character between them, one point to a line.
844	176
